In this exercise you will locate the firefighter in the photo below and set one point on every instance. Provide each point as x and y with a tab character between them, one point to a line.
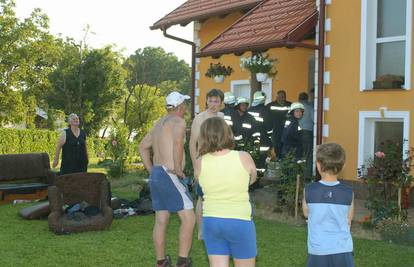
262	128
228	110
243	123
292	132
278	111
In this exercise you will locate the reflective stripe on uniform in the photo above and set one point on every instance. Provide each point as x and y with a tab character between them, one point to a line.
261	170
256	134
270	132
247	125
227	117
229	122
238	138
264	148
259	119
254	114
279	108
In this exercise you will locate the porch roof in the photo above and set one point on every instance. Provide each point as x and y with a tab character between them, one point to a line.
273	23
202	9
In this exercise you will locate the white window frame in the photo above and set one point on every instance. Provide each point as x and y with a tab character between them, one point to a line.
366	136
369	43
234	83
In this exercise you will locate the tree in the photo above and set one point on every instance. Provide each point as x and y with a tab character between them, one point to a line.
91	85
145	107
28	53
152	70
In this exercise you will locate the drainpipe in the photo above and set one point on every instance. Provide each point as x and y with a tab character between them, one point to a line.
321	72
193	45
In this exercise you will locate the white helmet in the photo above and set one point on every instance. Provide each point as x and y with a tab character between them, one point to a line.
241	100
296	105
229	98
259	97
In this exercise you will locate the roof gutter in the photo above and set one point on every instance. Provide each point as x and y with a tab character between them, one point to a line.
321	72
193	59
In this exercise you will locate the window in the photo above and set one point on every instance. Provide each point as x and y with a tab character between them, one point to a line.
376	128
386	44
242	88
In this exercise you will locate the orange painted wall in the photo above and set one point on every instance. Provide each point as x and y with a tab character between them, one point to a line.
292	65
346	99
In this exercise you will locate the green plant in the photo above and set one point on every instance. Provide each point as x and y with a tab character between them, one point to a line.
118	145
385	175
14	141
396	231
259	63
290	168
217	70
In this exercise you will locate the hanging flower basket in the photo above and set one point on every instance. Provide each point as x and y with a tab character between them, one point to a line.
219	78
218	72
259	64
261	77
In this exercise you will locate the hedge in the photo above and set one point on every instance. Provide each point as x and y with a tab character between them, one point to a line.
14	141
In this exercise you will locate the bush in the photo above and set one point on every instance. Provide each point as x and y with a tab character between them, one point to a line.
16	141
396	231
116	169
117	148
290	168
385	174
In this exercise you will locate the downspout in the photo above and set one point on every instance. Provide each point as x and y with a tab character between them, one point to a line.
321	72
193	59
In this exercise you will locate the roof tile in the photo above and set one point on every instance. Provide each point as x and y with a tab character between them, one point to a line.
271	23
202	9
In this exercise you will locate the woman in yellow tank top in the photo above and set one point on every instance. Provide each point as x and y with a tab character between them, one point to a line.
224	176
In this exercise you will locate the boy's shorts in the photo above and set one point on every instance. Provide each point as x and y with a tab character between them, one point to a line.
333	260
168	192
233	237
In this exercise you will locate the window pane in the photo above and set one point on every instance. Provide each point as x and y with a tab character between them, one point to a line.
391	17
242	90
388	131
391	58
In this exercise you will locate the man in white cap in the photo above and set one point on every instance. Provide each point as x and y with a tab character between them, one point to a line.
166	142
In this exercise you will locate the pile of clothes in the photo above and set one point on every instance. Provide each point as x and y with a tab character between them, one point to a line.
80	211
123	208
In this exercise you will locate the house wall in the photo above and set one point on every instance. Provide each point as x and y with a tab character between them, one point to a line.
346	99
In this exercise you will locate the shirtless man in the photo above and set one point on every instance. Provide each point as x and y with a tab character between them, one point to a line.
215	99
166	141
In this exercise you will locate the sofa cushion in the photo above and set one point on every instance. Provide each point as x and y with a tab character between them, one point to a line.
24	166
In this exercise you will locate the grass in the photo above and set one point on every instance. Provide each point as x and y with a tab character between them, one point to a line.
129	243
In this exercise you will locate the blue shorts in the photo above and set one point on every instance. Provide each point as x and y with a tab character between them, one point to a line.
233	237
168	192
333	260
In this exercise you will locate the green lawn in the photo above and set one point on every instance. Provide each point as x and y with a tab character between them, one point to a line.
129	243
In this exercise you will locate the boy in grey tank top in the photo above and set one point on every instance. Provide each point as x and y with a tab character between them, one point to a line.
328	204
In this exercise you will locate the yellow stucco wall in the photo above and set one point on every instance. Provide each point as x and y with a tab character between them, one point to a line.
292	65
346	99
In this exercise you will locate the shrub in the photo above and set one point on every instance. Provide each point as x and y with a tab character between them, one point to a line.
290	168
396	231
15	141
117	148
385	174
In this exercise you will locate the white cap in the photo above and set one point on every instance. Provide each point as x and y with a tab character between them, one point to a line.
174	99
